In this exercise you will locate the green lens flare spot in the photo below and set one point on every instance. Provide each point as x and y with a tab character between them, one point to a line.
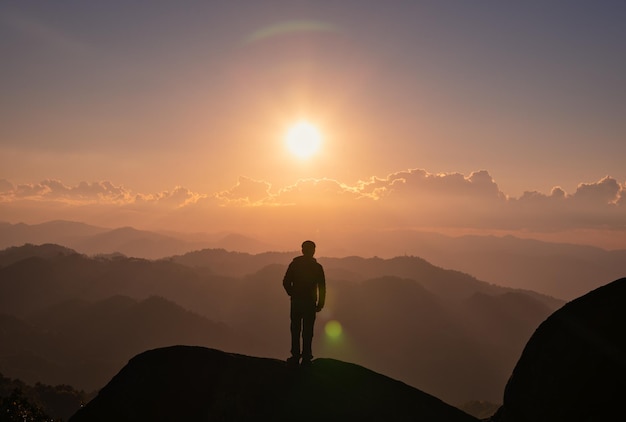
333	329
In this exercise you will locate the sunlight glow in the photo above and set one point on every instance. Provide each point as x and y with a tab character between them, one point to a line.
303	139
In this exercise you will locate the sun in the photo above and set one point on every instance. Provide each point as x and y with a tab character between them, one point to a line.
303	139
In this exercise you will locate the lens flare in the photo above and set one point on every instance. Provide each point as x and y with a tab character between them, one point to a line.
333	329
291	27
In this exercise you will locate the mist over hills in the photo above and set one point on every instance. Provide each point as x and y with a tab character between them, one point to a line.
129	241
82	343
564	271
76	319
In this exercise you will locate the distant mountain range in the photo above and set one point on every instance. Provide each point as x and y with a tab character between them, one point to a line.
571	370
564	271
82	343
94	240
71	318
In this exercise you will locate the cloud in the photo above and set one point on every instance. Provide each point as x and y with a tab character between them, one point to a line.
317	192
596	205
247	191
55	190
415	198
604	192
102	193
419	182
179	197
621	201
5	186
409	199
305	192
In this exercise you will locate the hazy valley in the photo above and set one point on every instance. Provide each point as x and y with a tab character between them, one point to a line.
72	317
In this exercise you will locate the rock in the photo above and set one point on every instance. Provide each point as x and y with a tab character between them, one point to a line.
573	368
186	383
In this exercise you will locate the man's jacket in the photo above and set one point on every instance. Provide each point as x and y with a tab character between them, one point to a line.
304	278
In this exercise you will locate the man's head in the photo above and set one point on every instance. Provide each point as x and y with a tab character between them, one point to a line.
308	248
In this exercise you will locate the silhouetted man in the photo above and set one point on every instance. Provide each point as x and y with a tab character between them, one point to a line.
305	282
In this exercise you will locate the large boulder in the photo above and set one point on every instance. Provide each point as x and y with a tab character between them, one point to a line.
573	368
185	383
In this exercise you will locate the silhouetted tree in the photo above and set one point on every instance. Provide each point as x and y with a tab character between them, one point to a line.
27	403
17	408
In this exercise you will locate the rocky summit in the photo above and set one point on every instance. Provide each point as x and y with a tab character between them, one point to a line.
186	383
574	366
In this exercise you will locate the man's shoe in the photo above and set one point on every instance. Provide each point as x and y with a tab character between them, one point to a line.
306	362
293	361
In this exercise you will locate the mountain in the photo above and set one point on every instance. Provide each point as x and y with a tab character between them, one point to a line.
232	264
15	254
129	241
448	348
561	270
573	368
58	231
453	285
36	282
439	330
83	343
193	383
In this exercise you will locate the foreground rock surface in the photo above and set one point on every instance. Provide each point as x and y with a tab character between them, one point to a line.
574	366
200	384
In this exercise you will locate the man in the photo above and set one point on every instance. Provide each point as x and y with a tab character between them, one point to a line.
304	281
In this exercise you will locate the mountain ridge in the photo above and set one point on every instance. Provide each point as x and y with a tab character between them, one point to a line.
506	260
255	309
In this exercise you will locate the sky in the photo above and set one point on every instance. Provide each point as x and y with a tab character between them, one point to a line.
451	116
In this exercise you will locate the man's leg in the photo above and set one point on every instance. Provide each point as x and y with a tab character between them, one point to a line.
296	324
308	322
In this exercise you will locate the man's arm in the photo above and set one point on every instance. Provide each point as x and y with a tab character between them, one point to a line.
321	286
287	280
